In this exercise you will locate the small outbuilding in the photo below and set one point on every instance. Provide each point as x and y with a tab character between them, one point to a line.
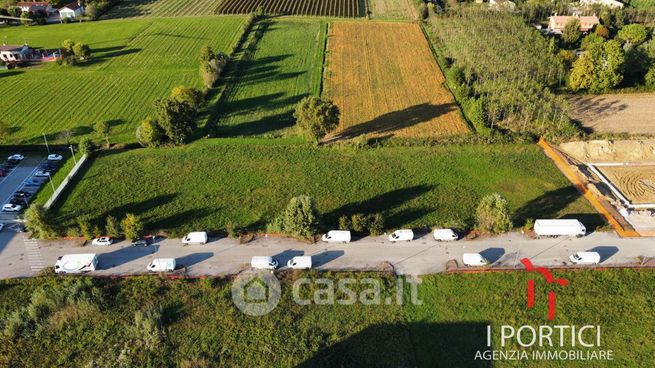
71	11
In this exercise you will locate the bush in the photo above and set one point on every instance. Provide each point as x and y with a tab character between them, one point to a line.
493	214
649	78
112	227
191	96
300	218
38	221
316	117
149	133
86	229
529	224
86	146
359	223
177	119
376	224
344	223
132	226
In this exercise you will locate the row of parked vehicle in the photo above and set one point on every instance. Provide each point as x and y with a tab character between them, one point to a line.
20	198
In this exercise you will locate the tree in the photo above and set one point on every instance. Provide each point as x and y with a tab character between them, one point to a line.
112	227
81	51
132	226
649	78
66	134
189	95
86	146
211	65
68	45
602	31
300	218
86	229
316	117
149	133
598	69
38	221
102	130
591	40
4	131
493	214
571	33
176	118
633	34
25	18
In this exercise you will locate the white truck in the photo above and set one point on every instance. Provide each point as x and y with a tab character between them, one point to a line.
563	227
197	237
337	236
162	265
444	234
403	234
300	262
76	263
263	263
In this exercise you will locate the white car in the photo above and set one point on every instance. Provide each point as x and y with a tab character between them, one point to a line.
103	240
17	157
41	174
55	157
12	207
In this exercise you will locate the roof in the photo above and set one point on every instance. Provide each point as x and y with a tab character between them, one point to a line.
583	19
72	6
10	48
33	3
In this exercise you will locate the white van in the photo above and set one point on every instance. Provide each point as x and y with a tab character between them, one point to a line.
76	263
403	234
474	259
198	237
300	262
162	265
263	263
444	235
337	236
585	258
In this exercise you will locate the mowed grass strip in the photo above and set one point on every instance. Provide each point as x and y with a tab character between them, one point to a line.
386	82
273	73
162	8
246	182
134	62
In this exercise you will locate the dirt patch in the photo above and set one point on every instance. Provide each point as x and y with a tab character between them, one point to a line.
386	83
610	151
621	113
636	183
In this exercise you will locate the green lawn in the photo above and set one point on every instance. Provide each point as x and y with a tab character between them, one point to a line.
162	8
134	63
79	321
247	181
281	63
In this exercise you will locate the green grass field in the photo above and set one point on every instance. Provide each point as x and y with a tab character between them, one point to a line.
162	8
641	4
134	62
281	63
79	321
246	182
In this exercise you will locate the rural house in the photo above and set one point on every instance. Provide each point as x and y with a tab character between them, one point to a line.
13	54
556	23
36	7
71	11
608	3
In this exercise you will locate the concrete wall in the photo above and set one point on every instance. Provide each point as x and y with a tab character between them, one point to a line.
65	182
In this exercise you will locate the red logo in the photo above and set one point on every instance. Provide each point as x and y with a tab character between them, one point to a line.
549	280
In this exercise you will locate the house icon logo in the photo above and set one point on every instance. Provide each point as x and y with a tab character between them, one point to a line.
256	293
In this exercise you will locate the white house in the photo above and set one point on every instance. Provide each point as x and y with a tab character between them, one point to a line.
71	11
36	7
608	3
12	53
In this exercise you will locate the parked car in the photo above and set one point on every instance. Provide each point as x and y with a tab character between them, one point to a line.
76	263
55	157
10	164
20	201
197	237
162	265
10	207
263	263
22	193
41	174
444	235
300	262
140	243
585	258
403	234
336	236
33	182
16	157
474	259
103	240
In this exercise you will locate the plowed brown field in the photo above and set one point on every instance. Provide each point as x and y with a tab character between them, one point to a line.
636	183
386	82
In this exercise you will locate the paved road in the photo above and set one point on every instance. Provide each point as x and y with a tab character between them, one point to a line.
14	181
19	258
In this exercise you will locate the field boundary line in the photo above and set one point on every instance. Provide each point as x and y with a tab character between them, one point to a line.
568	172
62	186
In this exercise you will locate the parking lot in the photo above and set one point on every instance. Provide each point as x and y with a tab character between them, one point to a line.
15	180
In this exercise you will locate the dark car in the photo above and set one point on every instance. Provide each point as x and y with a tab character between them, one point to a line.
10	163
13	162
22	193
20	201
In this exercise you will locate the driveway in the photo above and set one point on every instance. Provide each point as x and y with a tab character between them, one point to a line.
18	257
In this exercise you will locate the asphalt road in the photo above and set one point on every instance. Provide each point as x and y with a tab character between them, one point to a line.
14	181
21	257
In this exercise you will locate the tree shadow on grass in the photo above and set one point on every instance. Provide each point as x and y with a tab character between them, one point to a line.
181	219
383	203
547	205
395	120
401	345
